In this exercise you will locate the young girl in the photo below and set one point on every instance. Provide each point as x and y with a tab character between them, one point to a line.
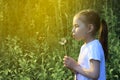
91	62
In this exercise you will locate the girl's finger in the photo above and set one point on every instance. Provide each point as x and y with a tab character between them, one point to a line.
64	62
64	65
65	56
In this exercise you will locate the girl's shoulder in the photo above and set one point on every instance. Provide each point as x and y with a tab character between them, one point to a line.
94	43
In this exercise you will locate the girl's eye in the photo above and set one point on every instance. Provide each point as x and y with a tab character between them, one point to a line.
76	25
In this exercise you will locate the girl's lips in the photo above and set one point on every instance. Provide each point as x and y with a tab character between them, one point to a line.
73	35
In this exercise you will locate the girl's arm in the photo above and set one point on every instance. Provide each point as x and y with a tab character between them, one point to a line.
92	72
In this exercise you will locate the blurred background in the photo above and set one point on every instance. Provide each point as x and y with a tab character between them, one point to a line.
36	34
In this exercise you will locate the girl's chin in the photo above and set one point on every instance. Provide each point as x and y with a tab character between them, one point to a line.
77	39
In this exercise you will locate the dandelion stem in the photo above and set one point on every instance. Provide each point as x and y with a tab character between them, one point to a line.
65	50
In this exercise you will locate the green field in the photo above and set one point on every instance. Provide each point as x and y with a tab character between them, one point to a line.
30	34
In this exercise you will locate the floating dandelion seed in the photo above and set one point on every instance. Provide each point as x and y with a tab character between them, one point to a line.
63	41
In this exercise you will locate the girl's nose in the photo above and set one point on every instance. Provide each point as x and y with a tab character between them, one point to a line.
73	30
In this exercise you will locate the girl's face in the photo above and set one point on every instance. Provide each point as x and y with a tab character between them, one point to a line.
79	30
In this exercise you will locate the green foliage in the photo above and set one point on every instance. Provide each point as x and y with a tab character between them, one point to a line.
30	31
18	63
112	64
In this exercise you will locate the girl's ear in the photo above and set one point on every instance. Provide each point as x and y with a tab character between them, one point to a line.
90	28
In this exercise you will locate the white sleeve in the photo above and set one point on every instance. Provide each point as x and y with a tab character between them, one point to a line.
95	53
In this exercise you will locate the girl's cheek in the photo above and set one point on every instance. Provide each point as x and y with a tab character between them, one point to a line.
81	33
78	33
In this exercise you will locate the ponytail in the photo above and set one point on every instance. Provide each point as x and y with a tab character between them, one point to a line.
103	37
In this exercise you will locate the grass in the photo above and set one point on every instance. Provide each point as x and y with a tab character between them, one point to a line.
30	32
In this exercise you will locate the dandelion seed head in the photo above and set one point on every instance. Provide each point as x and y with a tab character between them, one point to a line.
63	41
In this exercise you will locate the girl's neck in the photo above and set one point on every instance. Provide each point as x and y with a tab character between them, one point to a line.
89	39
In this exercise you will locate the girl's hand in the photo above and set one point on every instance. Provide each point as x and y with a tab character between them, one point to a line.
70	63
